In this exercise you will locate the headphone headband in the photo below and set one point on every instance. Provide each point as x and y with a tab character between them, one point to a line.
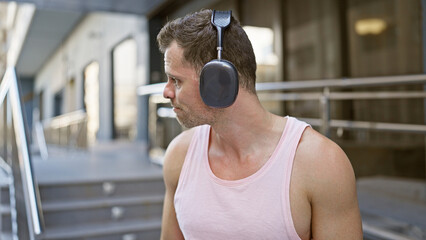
221	20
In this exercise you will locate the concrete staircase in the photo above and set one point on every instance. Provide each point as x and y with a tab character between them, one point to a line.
115	193
392	208
85	197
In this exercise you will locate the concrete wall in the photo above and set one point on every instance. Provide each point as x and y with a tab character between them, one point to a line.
92	40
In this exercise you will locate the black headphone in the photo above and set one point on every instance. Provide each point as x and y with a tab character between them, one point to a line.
219	78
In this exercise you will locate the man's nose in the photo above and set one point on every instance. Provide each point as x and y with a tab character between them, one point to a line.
169	91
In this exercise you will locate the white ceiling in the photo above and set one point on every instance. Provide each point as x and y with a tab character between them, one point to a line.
55	19
47	31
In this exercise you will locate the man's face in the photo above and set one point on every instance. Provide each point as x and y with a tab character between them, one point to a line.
182	89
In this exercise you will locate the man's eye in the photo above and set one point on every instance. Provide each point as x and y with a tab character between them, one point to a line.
176	81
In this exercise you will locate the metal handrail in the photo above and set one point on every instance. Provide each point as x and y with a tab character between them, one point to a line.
74	124
272	91
9	85
66	119
157	88
342	83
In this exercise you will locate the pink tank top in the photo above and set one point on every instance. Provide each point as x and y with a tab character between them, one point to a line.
255	207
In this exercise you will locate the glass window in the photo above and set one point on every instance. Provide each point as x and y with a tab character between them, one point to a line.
71	96
91	100
312	49
265	34
312	40
58	102
384	37
125	109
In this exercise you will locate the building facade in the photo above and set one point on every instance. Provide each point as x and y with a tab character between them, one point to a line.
104	57
331	39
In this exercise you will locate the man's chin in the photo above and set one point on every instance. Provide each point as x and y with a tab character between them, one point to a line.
187	124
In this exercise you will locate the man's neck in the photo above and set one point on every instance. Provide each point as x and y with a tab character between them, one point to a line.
246	128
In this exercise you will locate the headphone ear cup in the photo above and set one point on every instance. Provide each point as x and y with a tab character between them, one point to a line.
219	84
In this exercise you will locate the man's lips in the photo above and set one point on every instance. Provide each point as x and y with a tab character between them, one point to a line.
176	108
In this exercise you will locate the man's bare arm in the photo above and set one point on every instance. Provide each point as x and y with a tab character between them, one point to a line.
173	161
332	192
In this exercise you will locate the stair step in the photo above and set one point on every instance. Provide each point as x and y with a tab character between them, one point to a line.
115	164
93	190
121	177
377	227
102	202
102	210
96	212
106	231
409	211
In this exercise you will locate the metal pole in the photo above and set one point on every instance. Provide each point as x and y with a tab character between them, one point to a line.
143	122
325	107
423	6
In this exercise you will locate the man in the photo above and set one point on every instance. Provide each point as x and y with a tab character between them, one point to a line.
241	172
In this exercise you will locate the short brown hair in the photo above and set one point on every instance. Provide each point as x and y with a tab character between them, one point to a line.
198	38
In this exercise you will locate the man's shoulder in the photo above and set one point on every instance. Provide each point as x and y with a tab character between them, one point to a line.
175	155
181	142
313	145
323	161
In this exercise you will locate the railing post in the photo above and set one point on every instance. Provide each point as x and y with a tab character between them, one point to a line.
423	6
325	112
142	125
41	140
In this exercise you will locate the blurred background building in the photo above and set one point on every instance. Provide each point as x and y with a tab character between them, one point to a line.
91	75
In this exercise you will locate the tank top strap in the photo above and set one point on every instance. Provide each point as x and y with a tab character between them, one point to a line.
194	155
293	133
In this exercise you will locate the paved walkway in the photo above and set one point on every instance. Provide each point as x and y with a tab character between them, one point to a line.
106	161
